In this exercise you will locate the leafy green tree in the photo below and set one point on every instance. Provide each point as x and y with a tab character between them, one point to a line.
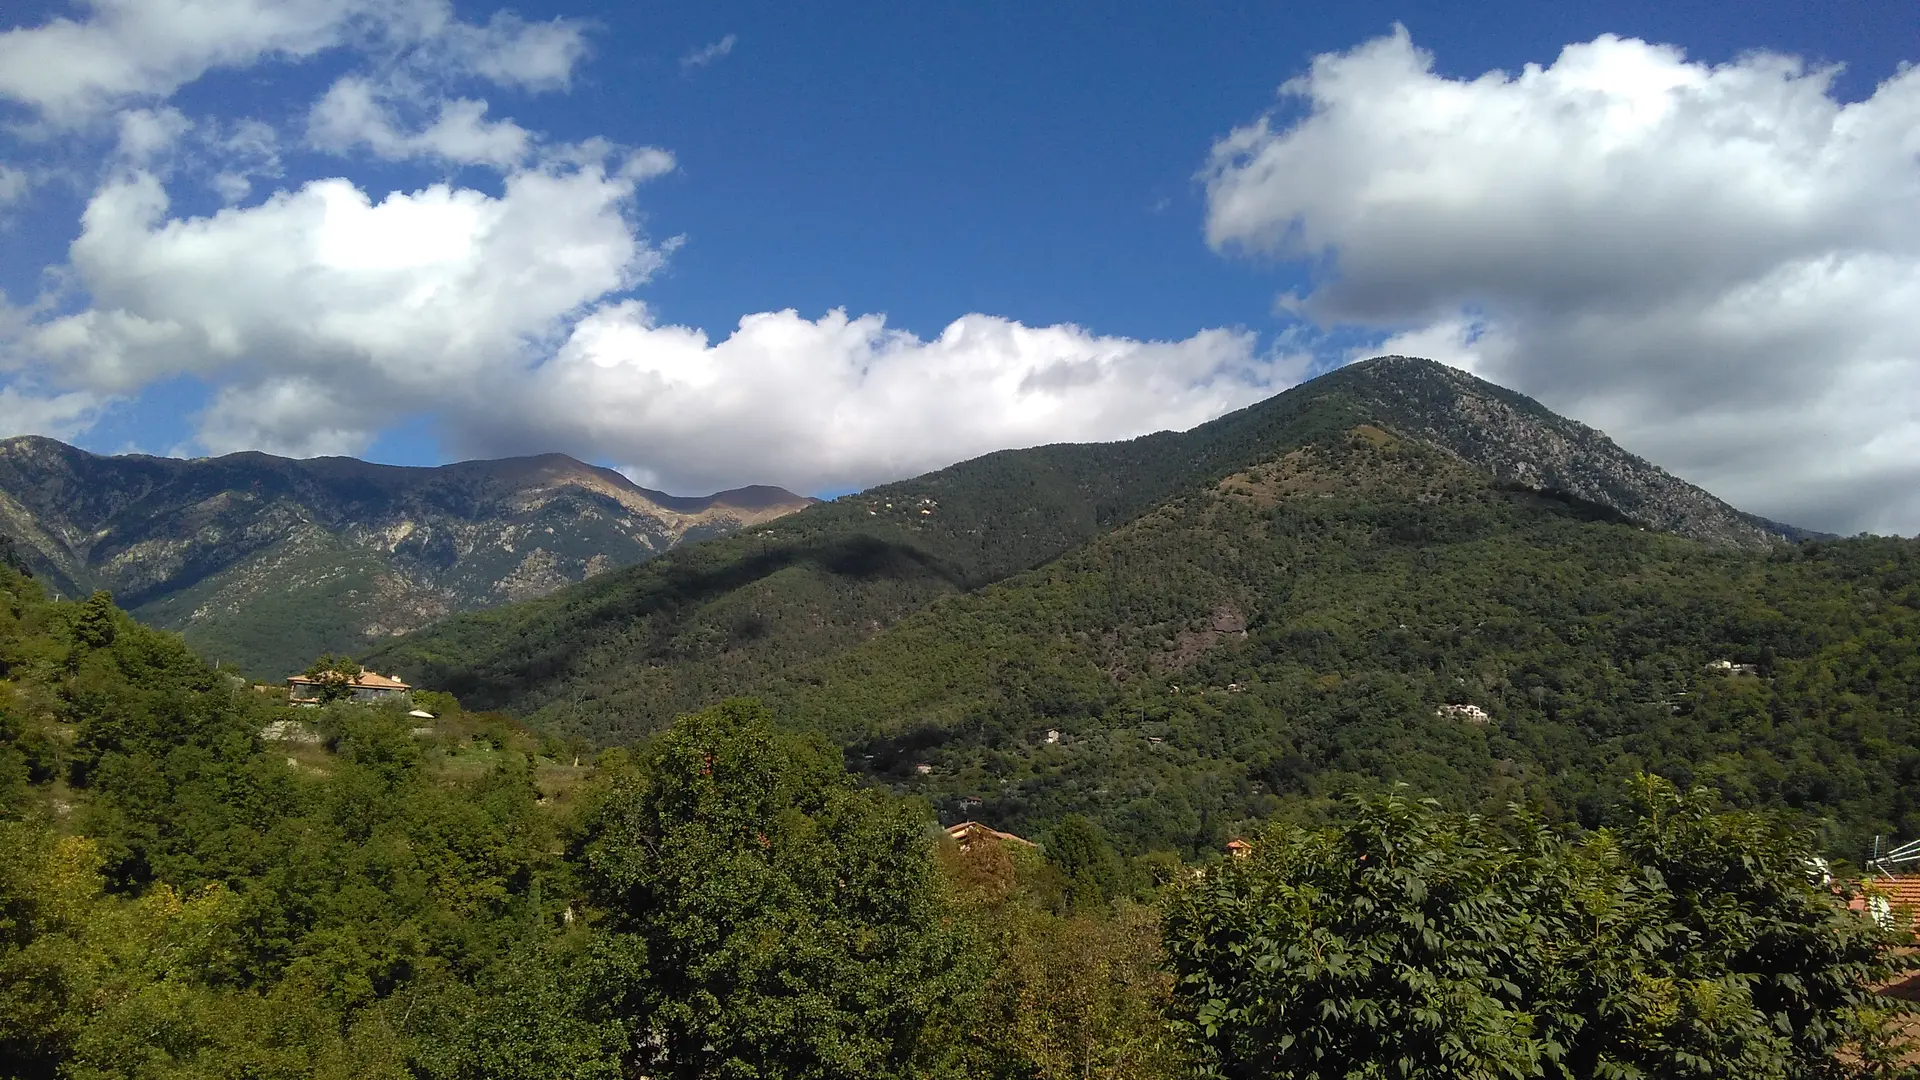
527	1017
1696	939
229	911
1086	860
1074	997
768	918
28	756
47	888
1386	947
95	626
438	702
1410	942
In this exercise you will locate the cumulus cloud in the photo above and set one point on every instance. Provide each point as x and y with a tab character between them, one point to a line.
295	416
135	48
707	54
843	402
324	316
70	70
242	151
353	114
146	134
511	51
414	290
15	184
1720	265
57	416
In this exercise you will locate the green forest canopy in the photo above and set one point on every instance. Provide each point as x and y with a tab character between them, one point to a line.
181	896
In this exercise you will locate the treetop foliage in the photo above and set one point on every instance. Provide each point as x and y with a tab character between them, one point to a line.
1408	941
180	897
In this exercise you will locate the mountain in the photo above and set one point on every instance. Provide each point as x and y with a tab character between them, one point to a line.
267	562
1369	609
622	653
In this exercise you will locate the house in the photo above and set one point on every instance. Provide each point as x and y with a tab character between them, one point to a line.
1239	849
1472	714
369	687
1728	667
1881	895
969	833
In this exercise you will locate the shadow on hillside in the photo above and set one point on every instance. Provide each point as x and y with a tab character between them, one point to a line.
1564	503
681	584
667	593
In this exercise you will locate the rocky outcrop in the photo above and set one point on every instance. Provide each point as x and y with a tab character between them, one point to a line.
1523	442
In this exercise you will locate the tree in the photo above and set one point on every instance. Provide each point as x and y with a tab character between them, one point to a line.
770	919
525	1019
1086	860
1409	942
95	625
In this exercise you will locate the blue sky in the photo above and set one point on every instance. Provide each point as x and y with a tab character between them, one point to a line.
1663	233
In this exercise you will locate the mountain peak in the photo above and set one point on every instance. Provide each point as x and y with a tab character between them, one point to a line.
1521	441
745	612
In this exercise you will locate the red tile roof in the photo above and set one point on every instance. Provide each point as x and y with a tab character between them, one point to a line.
1900	891
969	831
367	680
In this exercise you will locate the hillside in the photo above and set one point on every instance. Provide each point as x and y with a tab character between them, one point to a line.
1370	610
199	880
623	653
266	562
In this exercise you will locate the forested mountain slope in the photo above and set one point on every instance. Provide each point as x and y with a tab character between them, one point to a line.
266	562
198	880
1371	610
624	652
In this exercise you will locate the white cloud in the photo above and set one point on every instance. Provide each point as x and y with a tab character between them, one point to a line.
646	163
57	416
353	114
402	295
70	70
294	416
707	54
512	52
149	48
228	155
15	185
145	134
840	402
1720	265
242	151
323	316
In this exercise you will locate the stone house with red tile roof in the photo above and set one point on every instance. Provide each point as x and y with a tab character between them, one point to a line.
369	687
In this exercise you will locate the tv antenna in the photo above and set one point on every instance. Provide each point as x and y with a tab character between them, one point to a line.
1884	859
